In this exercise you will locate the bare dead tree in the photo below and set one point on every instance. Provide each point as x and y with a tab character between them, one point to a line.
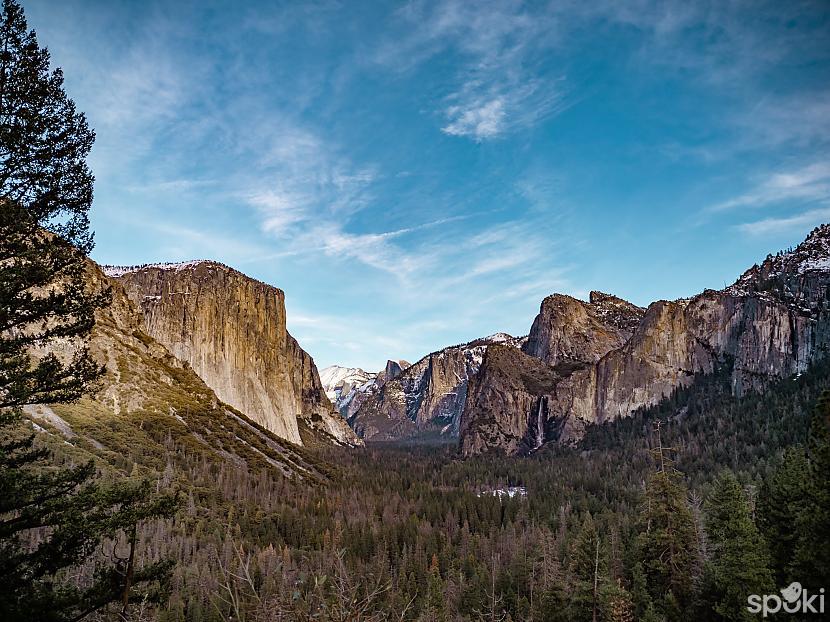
494	612
339	598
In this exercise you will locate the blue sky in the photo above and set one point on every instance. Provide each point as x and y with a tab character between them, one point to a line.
419	174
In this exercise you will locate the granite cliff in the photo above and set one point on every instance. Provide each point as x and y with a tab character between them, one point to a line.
150	408
509	396
231	330
568	329
773	322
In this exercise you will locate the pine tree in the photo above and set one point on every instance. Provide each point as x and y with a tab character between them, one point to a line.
493	609
45	304
79	513
739	563
45	196
435	607
44	299
552	605
617	605
586	569
782	502
667	539
811	563
44	141
640	596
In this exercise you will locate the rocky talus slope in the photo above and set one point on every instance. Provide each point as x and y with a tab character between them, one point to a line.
773	322
231	330
151	407
426	397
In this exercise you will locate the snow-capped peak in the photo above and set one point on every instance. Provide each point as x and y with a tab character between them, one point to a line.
348	387
335	378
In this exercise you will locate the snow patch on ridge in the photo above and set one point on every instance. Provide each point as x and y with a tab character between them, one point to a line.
812	255
117	271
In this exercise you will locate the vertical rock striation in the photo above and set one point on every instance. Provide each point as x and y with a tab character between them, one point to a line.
150	407
509	396
231	329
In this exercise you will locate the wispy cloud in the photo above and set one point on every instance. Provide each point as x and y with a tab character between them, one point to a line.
484	111
481	120
797	223
499	86
302	188
280	209
809	183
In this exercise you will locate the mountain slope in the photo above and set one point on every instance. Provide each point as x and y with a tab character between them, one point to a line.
231	329
773	322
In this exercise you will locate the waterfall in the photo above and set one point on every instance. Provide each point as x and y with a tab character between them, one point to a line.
540	423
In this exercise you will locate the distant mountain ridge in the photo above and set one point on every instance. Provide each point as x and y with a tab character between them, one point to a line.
427	397
349	387
583	365
583	362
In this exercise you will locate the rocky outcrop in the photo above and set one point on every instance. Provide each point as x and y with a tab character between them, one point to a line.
568	329
773	322
427	397
231	330
392	370
150	406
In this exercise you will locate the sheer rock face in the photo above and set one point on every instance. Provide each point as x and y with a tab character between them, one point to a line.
510	399
426	397
392	370
231	330
773	322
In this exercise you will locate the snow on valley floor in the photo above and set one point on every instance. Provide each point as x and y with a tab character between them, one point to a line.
510	492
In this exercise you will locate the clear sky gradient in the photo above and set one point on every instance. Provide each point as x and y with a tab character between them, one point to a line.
419	174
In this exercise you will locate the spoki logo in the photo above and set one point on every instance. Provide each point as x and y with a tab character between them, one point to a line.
793	599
